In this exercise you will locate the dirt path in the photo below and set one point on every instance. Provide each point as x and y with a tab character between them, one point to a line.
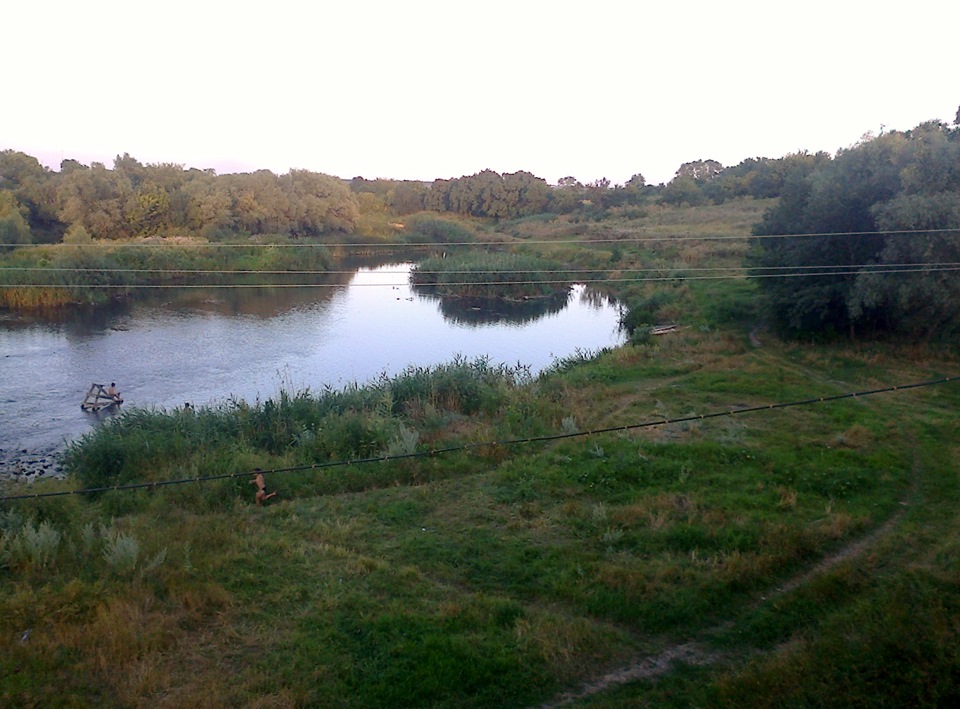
696	653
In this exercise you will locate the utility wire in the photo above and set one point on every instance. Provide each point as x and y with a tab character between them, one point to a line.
386	271
730	411
518	242
546	281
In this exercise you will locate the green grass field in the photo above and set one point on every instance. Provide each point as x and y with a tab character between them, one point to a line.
802	556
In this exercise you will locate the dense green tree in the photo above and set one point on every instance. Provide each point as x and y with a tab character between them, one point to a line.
16	168
688	185
318	204
407	197
133	199
682	189
920	296
147	210
850	215
33	188
13	226
95	198
598	193
208	205
567	196
437	198
489	194
69	165
131	168
526	193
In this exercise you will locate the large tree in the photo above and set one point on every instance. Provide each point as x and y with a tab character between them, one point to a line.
489	194
875	205
13	226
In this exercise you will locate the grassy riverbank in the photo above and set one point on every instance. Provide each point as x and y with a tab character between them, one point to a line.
58	275
803	555
510	573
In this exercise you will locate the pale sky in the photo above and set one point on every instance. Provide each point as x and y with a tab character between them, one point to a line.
425	89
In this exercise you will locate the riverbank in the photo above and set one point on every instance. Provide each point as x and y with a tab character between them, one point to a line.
580	557
24	465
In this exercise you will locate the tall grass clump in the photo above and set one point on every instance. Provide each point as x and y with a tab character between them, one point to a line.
34	545
389	413
433	230
492	275
91	272
641	311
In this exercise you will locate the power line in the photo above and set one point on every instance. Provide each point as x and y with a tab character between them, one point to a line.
517	242
730	411
383	271
546	281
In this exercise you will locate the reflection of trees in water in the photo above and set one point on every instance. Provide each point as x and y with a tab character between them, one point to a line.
79	320
489	311
594	298
261	302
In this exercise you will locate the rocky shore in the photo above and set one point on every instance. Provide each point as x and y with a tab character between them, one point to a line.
22	465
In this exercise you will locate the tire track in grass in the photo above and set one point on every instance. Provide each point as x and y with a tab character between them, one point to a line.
696	653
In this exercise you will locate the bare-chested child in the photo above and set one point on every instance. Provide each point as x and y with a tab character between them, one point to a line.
262	493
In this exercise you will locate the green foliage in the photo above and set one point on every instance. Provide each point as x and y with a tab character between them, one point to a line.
509	575
35	545
355	422
136	200
76	234
13	227
642	311
489	194
477	274
431	230
512	575
121	552
870	207
86	271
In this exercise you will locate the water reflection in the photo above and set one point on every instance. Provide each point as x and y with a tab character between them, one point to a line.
208	345
485	311
476	312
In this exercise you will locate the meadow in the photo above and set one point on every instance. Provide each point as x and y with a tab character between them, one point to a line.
506	540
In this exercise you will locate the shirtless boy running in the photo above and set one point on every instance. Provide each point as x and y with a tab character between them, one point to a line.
261	487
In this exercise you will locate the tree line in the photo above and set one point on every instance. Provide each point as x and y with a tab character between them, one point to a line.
79	202
890	202
136	200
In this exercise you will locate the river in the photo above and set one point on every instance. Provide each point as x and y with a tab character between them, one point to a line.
207	346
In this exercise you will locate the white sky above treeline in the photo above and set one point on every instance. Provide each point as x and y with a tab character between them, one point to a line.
425	89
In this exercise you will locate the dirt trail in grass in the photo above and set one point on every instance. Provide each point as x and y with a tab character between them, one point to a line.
696	653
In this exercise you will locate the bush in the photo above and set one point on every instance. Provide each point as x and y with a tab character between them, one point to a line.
431	230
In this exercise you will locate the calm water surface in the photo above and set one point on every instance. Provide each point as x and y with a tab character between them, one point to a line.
208	346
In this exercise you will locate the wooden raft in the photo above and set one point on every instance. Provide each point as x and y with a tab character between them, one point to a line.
97	399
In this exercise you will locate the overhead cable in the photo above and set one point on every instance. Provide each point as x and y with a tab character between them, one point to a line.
546	281
730	411
516	242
